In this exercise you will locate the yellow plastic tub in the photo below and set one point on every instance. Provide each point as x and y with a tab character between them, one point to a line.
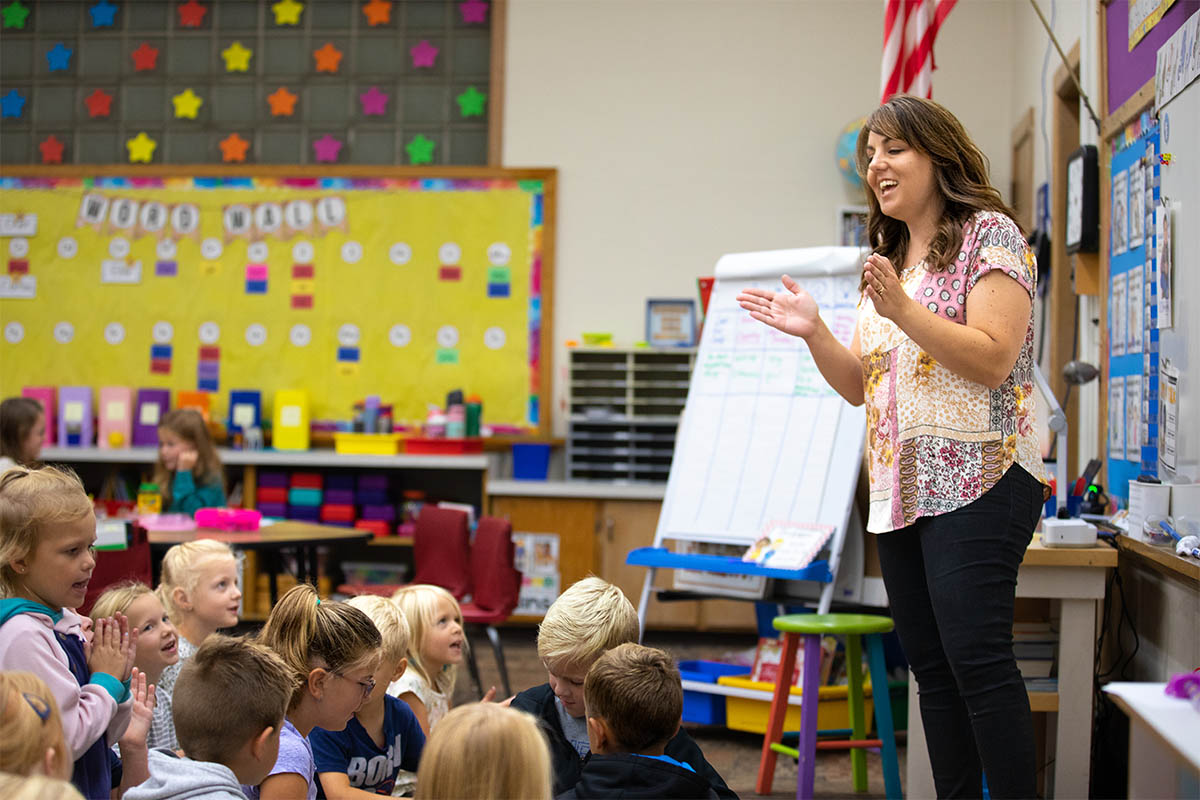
833	709
368	444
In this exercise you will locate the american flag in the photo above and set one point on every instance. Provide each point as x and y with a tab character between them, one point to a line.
909	28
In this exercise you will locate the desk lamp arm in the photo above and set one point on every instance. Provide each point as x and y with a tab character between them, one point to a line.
1058	424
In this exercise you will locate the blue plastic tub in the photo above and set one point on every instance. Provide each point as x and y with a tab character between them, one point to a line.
531	462
706	709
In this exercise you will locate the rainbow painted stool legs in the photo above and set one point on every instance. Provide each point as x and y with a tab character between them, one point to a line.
811	628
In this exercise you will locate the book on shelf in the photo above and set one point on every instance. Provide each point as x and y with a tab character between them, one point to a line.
770	653
788	545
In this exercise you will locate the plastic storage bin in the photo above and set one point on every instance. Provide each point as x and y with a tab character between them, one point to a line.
442	446
833	711
707	709
531	462
371	444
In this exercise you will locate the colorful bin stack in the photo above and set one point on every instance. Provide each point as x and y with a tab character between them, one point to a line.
338	508
304	496
273	494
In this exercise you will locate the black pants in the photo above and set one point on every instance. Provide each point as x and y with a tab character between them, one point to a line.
951	580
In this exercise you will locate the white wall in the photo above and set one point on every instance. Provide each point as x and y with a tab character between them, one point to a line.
686	129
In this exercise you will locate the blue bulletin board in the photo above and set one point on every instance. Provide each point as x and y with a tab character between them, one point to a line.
1133	333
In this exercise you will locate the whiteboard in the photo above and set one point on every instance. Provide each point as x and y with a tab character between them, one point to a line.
1179	134
763	437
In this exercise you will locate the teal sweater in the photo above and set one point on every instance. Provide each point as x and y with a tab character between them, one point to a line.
186	496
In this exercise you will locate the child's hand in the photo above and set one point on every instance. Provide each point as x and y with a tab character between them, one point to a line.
490	696
142	712
187	459
107	655
85	628
129	638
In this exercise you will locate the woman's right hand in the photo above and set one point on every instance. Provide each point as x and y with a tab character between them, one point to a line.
793	311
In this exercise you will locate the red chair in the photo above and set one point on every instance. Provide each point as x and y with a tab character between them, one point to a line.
441	552
497	585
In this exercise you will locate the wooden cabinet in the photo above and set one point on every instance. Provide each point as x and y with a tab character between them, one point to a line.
595	535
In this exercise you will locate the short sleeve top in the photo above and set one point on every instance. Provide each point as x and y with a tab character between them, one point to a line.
937	441
437	704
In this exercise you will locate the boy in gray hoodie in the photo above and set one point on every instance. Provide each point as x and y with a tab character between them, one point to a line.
229	703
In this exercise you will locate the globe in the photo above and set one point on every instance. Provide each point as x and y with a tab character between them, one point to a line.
844	153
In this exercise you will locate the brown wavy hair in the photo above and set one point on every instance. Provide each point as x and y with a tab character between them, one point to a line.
960	171
187	424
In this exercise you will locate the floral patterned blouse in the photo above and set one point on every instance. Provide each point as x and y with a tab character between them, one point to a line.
937	441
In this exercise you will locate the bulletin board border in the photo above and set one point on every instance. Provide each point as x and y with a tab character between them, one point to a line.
363	175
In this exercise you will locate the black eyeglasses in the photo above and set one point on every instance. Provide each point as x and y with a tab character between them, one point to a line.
38	704
368	685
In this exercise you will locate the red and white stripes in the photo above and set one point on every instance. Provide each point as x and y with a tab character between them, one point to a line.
909	28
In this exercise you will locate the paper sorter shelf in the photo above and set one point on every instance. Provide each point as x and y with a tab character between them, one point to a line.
662	557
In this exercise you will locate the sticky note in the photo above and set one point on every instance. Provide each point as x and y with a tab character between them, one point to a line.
447	273
289	416
347	354
210	353
160	351
302	301
208	384
304	287
159	366
166	269
73	412
499	275
447	355
243	415
302	270
497	290
256	287
149	414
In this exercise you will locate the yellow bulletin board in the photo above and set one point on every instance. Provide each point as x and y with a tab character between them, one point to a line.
396	282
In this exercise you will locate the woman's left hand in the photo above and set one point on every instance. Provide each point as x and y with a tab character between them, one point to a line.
884	289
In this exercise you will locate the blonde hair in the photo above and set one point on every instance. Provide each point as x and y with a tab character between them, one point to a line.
117	598
223	670
36	787
18	416
30	501
590	617
637	691
419	604
504	739
31	723
189	425
182	568
309	633
390	622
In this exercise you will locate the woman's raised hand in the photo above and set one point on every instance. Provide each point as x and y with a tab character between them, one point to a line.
793	311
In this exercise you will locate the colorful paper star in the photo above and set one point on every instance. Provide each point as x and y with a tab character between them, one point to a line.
233	148
471	102
328	58
282	102
12	104
237	57
287	12
191	14
145	58
141	148
52	150
379	12
187	104
103	14
473	11
327	148
99	103
15	14
420	150
58	58
374	102
423	54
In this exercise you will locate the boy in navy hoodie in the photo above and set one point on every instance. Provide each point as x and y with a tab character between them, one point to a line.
634	701
589	618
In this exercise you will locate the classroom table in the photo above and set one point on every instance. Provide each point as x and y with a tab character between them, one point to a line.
1075	578
304	537
1164	740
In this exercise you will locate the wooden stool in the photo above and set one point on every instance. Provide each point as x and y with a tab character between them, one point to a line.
812	627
